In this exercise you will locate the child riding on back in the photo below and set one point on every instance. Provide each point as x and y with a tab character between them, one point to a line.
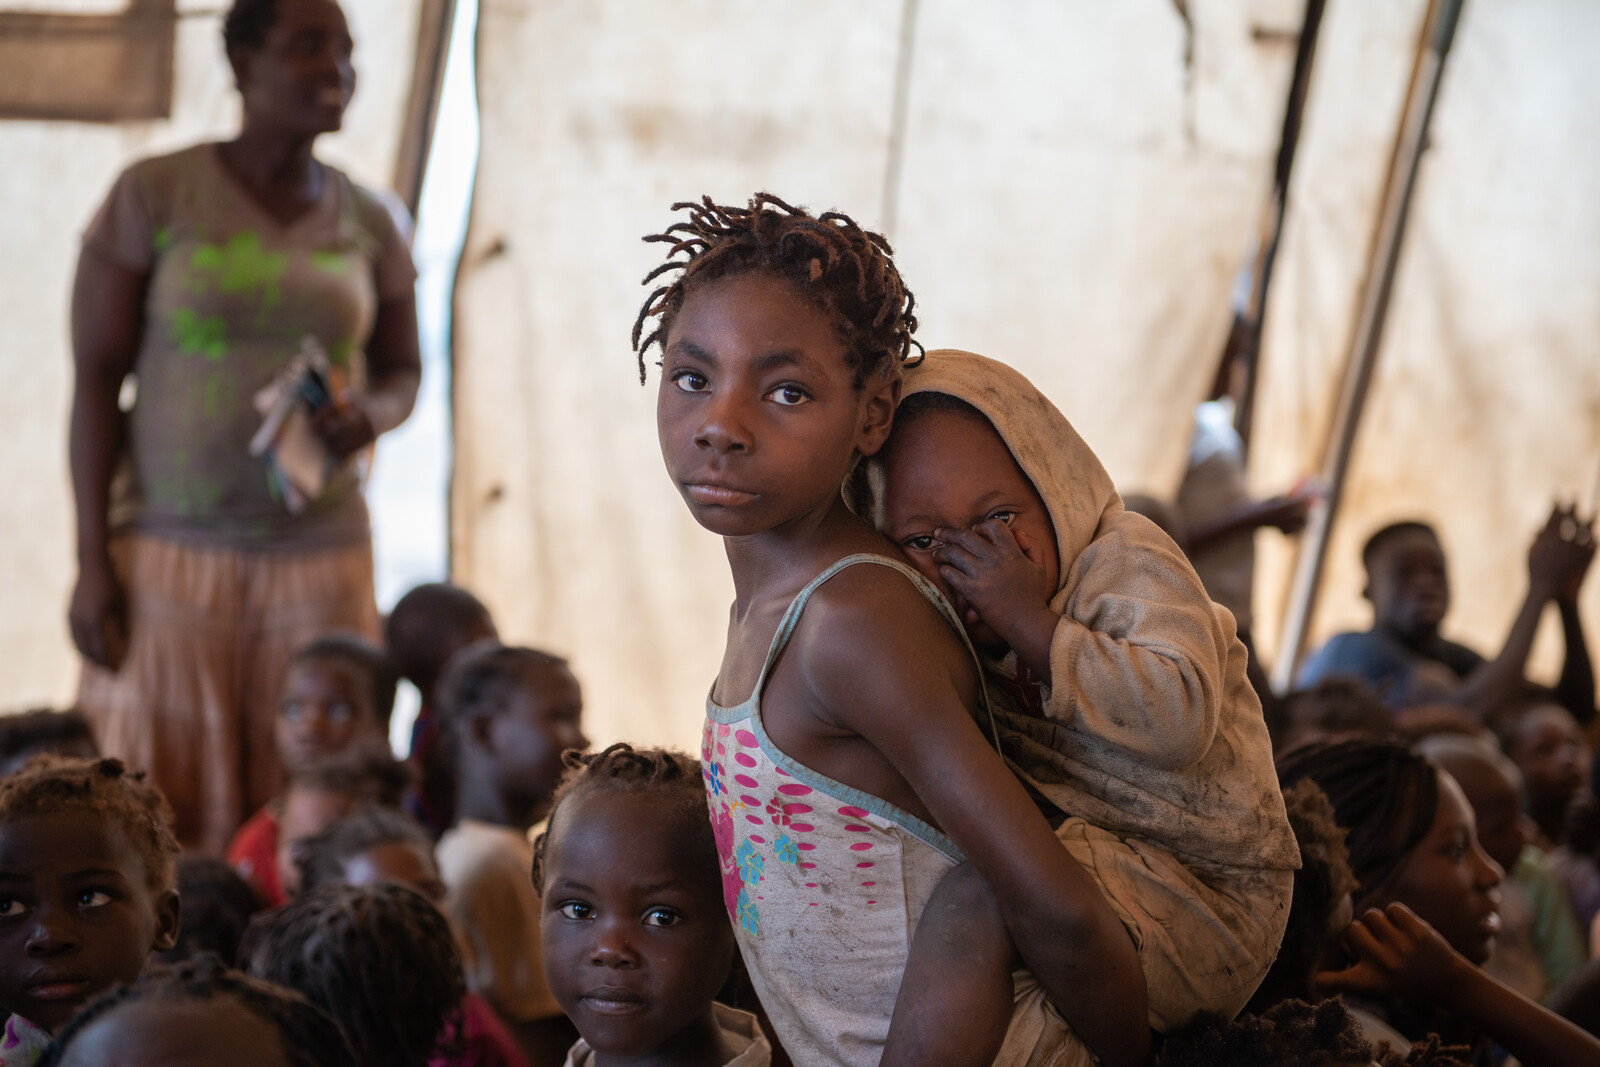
1121	692
845	765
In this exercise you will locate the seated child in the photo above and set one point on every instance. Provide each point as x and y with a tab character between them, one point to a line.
427	627
380	959
325	792
1426	909
1548	747
1129	708
23	736
636	941
374	845
1539	943
86	891
337	693
505	716
846	715
1333	708
217	906
1407	662
199	1012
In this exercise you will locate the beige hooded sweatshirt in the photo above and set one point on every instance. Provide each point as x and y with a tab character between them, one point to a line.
1151	729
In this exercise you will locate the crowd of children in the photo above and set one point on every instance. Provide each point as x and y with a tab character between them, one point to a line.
984	778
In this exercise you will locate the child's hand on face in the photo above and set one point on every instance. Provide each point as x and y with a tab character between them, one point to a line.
1397	955
998	580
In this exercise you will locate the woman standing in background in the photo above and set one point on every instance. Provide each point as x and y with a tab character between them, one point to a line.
201	277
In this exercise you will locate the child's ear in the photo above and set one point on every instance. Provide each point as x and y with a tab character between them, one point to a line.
168	913
877	412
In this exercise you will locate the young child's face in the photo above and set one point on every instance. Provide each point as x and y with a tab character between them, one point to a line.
948	470
758	413
77	914
327	704
542	719
1551	751
396	863
185	1033
1449	881
306	813
1407	584
636	940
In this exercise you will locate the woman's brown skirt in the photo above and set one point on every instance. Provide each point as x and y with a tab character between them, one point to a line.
211	633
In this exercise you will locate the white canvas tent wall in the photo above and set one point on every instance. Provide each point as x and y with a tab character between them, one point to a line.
1072	185
54	175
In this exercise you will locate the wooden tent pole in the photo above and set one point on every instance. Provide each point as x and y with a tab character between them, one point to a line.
435	20
1428	71
1272	225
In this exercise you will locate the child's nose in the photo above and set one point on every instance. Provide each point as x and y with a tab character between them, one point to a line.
613	949
52	934
722	429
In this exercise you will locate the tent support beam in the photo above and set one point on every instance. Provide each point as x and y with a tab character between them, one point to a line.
1410	142
434	23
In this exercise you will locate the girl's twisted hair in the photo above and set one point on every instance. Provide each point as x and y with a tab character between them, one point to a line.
310	1036
380	959
843	268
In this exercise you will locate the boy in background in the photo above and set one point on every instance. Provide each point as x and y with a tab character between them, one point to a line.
505	715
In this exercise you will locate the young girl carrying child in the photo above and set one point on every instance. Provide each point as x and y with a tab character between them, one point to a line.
636	943
844	763
1122	696
86	892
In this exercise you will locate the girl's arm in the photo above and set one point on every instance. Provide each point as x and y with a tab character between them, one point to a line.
885	665
107	323
1399	955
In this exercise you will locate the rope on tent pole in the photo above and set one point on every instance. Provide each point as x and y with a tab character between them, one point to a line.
1410	141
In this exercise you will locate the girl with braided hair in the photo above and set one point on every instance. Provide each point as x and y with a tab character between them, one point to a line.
87	891
198	1014
636	943
380	959
846	753
1425	909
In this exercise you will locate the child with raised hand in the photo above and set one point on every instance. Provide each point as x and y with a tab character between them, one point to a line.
1121	690
845	765
505	714
1425	908
338	694
197	1014
380	959
636	941
429	625
374	845
86	891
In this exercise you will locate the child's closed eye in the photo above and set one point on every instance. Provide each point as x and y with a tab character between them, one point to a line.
662	917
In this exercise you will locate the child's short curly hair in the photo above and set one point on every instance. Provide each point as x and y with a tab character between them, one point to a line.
322	858
50	785
671	778
841	267
310	1036
380	959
